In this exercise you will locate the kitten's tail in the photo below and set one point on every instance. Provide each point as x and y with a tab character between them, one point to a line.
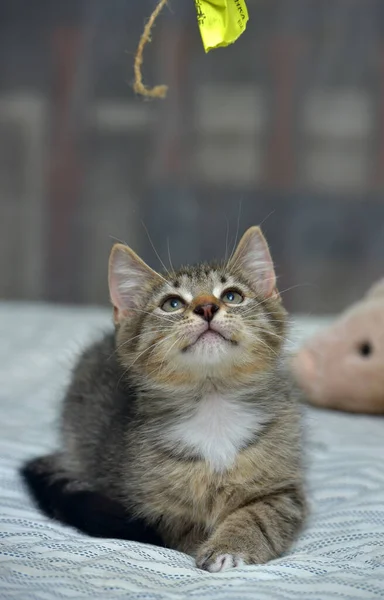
61	497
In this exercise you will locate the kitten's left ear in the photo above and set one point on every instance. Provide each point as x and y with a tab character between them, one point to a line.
129	279
253	258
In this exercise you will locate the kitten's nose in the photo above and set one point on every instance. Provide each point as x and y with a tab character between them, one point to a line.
206	311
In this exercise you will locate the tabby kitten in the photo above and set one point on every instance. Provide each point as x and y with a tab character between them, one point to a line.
182	428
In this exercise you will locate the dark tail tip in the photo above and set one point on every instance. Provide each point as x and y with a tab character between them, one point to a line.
38	475
88	511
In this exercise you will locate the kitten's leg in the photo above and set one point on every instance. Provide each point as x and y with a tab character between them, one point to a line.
186	537
259	531
72	502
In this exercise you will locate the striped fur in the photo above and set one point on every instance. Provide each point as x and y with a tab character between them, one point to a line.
195	438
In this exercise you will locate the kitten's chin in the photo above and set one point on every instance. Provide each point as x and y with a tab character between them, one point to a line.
211	347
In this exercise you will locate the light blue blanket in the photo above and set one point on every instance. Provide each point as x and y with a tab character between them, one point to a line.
339	555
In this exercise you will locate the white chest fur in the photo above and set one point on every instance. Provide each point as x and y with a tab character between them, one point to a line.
218	429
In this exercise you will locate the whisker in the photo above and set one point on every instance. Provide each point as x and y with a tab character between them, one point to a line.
169	256
267	217
154	249
123	344
284	291
139	355
247	314
226	240
148	348
162	329
116	239
237	232
164	357
268	347
152	314
261	302
276	335
298	285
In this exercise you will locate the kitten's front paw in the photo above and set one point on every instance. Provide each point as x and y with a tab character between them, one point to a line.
215	562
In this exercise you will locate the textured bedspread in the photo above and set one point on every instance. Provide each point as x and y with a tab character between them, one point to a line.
339	555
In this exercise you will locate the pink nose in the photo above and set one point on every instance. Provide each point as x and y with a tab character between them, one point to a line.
206	311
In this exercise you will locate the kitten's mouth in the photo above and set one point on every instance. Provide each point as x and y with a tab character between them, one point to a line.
210	334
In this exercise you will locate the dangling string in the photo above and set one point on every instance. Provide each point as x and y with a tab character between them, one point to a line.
158	91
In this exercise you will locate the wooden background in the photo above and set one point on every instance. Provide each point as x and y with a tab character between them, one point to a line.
285	127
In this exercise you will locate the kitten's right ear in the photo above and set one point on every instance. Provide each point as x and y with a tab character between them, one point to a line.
129	278
253	258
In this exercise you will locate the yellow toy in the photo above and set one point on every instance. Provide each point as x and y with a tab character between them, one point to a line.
221	22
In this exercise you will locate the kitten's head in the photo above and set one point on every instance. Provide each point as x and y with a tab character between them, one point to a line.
223	322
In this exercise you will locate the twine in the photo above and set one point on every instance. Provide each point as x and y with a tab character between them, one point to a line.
158	91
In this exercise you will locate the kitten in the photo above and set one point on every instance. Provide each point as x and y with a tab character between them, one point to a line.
182	427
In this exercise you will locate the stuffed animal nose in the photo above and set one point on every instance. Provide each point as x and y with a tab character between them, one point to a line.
206	311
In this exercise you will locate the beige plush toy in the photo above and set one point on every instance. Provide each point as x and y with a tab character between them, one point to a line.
342	366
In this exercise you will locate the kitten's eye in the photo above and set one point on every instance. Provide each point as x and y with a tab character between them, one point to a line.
232	297
172	304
